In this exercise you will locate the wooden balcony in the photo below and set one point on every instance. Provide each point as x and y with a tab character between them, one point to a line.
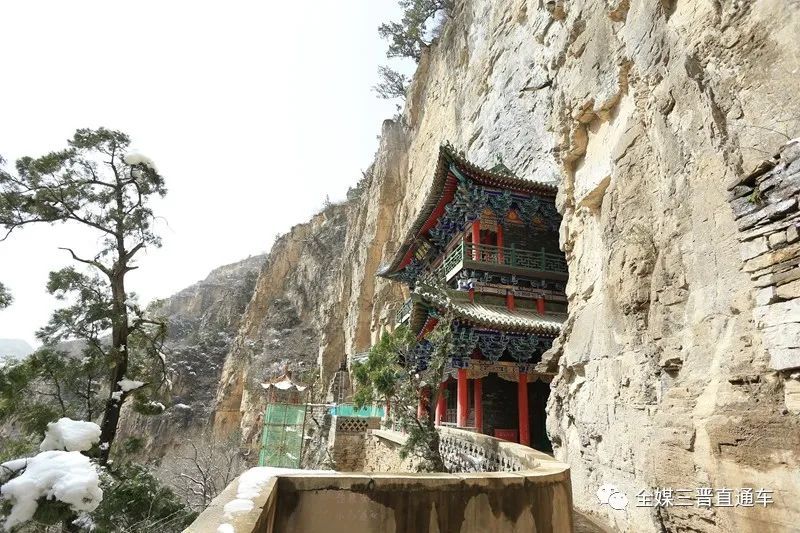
505	260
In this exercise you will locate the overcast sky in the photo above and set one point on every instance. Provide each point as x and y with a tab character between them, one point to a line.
253	112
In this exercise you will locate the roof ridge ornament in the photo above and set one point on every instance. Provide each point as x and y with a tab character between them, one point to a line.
501	168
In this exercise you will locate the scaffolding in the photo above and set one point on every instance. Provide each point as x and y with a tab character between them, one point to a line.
284	423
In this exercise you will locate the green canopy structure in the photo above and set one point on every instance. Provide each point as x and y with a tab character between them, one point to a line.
284	423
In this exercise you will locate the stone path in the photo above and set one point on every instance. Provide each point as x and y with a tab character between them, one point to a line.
584	524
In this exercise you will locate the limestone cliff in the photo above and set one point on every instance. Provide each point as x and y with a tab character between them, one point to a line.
202	321
643	112
314	301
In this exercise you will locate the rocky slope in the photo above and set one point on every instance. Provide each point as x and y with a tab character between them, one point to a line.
202	322
296	317
642	112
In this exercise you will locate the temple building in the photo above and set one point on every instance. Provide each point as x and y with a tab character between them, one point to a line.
488	241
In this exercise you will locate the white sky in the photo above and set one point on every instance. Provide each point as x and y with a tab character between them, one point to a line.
253	111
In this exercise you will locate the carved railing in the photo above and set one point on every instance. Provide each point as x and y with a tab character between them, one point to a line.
513	257
354	425
463	451
452	260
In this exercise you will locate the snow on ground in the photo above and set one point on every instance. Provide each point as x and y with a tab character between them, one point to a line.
225	528
284	384
182	406
70	435
128	385
65	476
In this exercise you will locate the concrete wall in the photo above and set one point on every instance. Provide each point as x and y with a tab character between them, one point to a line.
533	494
426	503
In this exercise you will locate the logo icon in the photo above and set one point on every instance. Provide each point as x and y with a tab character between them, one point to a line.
609	495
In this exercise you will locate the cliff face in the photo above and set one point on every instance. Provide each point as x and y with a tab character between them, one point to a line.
317	298
664	381
202	322
642	112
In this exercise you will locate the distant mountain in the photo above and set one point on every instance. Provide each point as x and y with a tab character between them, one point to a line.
14	349
202	321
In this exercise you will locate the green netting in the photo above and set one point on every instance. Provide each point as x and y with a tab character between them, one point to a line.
364	412
284	414
282	439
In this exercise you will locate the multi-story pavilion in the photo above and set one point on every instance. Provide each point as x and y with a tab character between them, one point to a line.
492	239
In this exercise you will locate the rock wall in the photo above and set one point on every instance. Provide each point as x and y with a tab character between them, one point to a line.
202	321
281	327
643	112
664	381
765	204
381	453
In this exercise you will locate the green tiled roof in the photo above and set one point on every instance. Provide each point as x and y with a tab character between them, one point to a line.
498	177
492	316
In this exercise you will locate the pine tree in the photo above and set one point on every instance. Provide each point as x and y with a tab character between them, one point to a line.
410	36
395	375
5	297
391	84
97	184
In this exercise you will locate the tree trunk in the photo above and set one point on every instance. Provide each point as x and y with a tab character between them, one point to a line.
119	340
437	463
434	443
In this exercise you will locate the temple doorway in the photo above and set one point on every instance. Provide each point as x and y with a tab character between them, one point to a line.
500	413
538	392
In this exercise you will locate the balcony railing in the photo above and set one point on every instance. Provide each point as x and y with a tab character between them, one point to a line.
404	312
356	358
502	256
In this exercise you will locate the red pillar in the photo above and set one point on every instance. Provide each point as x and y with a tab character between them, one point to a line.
477	392
463	408
476	239
510	304
500	243
522	400
441	406
540	305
